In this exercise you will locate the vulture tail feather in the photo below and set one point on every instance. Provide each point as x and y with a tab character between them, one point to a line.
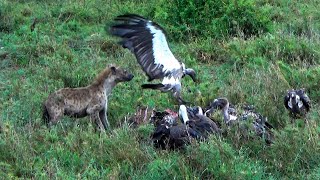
152	86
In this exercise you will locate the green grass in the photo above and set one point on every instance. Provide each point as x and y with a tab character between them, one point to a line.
69	47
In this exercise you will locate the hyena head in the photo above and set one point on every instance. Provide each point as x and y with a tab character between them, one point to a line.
120	75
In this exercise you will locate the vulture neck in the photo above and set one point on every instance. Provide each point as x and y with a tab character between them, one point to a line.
226	115
183	113
185	118
200	111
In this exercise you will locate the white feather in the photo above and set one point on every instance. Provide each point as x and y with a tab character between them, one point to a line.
200	110
206	113
233	118
300	104
170	80
290	103
161	51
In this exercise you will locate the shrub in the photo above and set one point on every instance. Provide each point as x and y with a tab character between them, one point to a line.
219	18
6	21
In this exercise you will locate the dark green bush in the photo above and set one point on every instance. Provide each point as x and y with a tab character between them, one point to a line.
219	18
6	22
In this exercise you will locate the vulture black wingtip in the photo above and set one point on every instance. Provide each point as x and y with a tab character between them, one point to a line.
129	16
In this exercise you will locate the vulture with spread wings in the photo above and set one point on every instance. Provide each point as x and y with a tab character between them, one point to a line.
147	41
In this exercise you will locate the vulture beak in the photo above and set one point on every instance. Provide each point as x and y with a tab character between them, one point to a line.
191	73
209	111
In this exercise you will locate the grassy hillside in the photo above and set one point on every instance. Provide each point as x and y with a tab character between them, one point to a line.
248	51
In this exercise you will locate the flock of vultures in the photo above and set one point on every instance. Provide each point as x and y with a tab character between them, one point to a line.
147	41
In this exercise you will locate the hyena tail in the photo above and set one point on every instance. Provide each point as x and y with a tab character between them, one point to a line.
45	115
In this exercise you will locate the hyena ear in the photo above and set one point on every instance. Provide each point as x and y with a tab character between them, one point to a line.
113	69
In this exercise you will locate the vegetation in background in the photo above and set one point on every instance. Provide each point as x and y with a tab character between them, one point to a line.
248	51
217	19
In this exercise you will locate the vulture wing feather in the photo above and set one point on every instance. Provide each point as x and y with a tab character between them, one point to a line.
147	41
305	99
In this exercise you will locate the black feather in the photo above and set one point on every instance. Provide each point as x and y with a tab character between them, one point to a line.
136	36
45	115
286	100
304	98
152	86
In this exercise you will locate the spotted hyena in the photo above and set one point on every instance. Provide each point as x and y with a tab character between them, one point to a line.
90	101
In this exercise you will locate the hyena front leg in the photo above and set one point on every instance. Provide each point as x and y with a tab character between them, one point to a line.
95	117
103	115
103	118
55	113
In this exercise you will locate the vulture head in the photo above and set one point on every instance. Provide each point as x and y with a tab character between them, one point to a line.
217	104
193	111
229	114
190	72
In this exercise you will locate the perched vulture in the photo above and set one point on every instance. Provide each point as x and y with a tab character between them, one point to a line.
260	124
194	118
174	137
147	41
297	102
229	114
168	135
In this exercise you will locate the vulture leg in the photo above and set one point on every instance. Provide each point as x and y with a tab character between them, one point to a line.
178	97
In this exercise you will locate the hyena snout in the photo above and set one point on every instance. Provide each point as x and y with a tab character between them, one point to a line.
129	77
125	76
121	74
